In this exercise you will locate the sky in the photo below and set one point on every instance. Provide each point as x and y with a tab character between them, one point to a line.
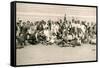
34	12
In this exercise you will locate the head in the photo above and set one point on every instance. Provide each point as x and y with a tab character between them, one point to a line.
69	22
73	20
28	22
54	34
24	23
83	22
92	24
78	21
31	24
20	21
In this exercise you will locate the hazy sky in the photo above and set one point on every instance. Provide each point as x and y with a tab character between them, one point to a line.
53	12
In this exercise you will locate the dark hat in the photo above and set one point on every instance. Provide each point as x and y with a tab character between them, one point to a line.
17	22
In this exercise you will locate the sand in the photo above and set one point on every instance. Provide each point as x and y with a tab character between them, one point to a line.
41	54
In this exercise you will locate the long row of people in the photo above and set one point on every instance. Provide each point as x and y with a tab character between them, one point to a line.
62	33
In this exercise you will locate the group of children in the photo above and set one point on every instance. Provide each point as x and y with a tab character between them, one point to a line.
62	32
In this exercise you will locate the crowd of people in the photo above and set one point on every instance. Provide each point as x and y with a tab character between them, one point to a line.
63	32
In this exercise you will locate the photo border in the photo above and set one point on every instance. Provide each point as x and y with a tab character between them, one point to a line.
13	33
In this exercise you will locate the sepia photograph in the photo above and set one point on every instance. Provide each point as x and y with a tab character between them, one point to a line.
50	33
